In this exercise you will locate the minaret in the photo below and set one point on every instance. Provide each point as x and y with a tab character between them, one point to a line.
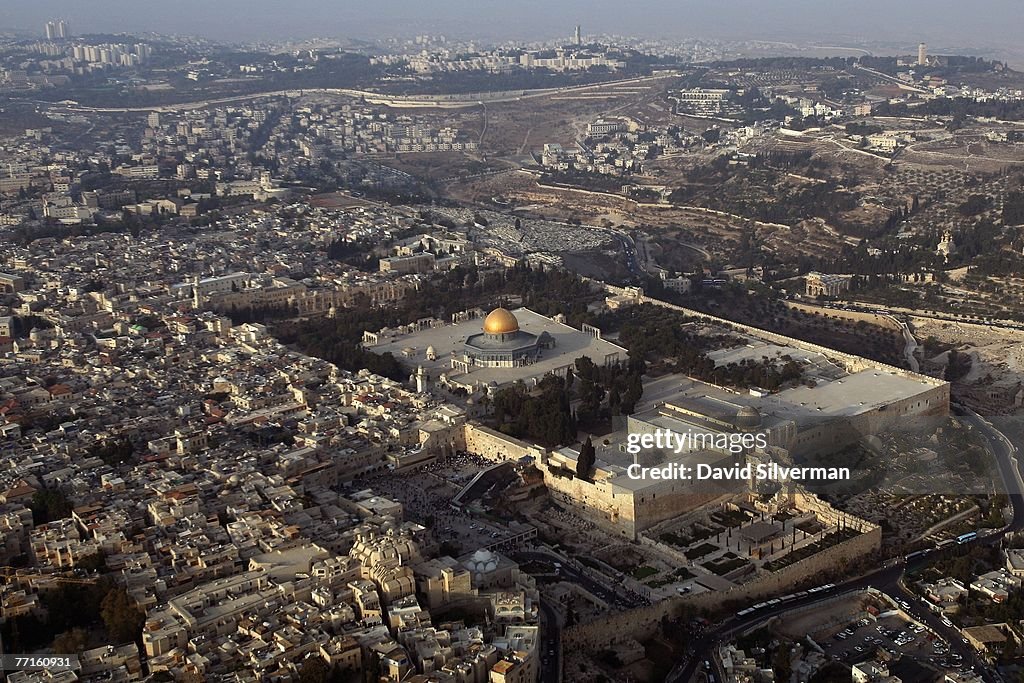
421	380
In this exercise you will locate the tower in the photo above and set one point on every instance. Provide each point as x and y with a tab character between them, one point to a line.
421	380
946	246
922	54
579	37
62	29
51	30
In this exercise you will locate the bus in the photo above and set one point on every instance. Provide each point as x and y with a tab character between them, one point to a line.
967	538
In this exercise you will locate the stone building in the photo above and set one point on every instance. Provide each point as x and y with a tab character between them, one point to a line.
826	284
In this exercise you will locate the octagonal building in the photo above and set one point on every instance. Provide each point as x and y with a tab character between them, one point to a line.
502	344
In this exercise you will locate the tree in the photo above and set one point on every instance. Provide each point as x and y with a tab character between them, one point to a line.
93	563
313	670
48	505
70	642
614	400
957	365
546	418
834	672
342	675
711	135
781	664
975	204
122	616
587	460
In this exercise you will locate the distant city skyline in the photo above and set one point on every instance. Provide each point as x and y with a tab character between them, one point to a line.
985	23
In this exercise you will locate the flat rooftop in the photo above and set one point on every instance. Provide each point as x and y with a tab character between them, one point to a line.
814	365
850	395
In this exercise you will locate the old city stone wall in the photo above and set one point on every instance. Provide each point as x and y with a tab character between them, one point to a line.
852	363
613	512
643	622
855	316
494	445
638	624
786	579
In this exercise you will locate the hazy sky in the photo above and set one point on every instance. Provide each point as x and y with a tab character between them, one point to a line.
982	23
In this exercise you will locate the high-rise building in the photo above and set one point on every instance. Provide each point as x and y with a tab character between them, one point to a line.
154	119
922	54
57	30
579	36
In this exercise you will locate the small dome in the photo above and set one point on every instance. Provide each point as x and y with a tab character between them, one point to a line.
500	321
748	417
482	561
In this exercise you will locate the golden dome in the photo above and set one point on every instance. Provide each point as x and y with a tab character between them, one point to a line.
500	321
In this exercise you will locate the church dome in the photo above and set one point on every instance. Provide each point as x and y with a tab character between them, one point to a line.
500	321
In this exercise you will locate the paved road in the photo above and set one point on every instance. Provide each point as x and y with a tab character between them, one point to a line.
1006	453
448	100
910	344
551	644
892	79
629	250
570	571
932	315
551	619
889	579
